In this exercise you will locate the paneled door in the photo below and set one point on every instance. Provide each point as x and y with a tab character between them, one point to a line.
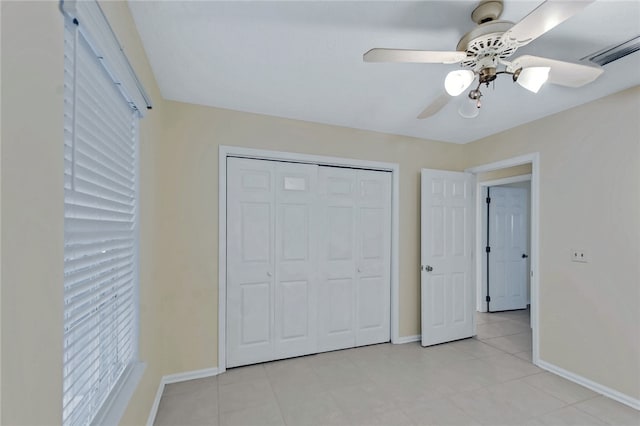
509	249
296	259
271	233
446	255
354	258
373	263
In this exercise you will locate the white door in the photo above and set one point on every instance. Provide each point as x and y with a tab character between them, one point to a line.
250	260
373	274
354	258
271	243
296	259
508	248
447	214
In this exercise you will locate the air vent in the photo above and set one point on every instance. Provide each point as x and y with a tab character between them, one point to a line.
614	53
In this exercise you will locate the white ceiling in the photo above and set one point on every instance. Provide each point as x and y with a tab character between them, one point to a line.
303	60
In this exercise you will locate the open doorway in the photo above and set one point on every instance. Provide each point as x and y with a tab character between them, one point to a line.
506	233
506	303
503	318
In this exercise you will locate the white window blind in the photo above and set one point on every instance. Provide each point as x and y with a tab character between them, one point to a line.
100	237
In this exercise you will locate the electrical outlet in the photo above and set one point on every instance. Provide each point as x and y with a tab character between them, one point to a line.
579	255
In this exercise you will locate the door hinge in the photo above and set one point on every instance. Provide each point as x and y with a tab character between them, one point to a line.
488	200
487	249
487	299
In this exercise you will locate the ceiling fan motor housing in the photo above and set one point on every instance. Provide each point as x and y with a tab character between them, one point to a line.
484	45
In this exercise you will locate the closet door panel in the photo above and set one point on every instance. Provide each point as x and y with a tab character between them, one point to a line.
250	258
337	255
373	257
296	259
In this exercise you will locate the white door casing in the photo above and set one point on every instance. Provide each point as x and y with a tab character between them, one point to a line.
508	242
447	220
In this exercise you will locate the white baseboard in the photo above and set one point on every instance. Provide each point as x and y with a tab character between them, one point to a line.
190	375
175	378
407	339
596	387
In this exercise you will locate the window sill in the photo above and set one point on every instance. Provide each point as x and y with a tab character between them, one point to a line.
114	408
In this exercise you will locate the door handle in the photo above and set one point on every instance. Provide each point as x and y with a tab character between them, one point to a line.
428	268
524	256
268	274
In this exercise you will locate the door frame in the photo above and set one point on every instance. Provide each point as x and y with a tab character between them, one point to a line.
534	160
481	187
225	151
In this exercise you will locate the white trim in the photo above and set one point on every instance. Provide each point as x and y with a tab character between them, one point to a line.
502	164
407	339
505	181
534	159
156	403
228	151
113	409
175	378
590	384
190	375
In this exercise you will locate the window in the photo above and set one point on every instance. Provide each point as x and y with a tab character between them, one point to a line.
100	232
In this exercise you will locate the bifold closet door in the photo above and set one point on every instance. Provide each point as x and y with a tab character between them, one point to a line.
354	258
271	233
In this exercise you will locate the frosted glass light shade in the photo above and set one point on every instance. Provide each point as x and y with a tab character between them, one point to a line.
457	81
469	108
532	78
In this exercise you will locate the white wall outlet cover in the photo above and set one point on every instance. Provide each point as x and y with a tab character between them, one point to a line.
579	255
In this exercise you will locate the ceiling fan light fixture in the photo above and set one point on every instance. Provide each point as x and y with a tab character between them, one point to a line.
469	108
457	81
531	78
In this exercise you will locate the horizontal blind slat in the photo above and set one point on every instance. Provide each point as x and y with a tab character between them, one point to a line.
77	198
91	303
75	251
88	348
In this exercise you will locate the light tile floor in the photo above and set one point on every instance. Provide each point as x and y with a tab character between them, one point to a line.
487	380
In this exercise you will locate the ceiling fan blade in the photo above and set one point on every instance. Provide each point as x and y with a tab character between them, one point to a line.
435	106
561	73
542	19
417	56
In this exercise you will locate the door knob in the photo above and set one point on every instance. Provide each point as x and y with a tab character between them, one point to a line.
428	268
524	256
268	274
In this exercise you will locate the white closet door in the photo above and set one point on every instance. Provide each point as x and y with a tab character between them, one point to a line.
373	239
308	259
250	260
296	259
354	263
337	258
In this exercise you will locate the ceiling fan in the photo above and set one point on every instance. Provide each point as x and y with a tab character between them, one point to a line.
484	50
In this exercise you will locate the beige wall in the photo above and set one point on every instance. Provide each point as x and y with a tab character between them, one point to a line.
589	199
190	181
32	213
